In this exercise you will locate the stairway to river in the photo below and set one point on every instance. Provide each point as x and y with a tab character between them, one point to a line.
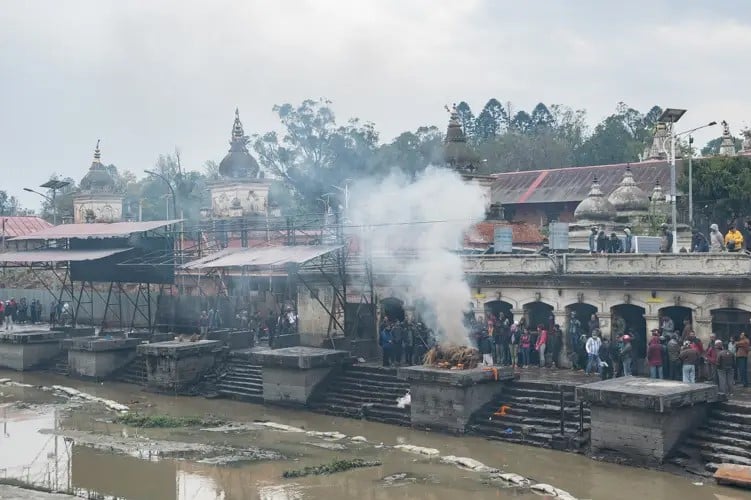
133	373
532	415
59	364
365	392
724	438
241	380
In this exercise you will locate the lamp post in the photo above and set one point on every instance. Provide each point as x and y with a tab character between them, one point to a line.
172	191
54	185
671	116
691	169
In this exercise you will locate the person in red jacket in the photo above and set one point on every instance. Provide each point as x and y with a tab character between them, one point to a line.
710	358
654	357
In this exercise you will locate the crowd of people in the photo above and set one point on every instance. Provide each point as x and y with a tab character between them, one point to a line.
404	342
264	329
732	241
21	312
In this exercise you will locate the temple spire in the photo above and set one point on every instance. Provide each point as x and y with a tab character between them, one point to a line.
238	134
97	153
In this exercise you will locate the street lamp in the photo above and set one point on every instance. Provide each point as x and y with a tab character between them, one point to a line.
691	169
671	116
172	191
54	185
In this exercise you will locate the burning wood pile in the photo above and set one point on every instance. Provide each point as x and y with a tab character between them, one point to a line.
452	357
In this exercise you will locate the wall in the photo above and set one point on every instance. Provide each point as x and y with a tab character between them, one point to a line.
253	197
84	313
106	207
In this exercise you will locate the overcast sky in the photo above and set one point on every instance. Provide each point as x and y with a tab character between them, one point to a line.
149	76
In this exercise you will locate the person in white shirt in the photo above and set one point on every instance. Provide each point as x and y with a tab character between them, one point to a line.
593	353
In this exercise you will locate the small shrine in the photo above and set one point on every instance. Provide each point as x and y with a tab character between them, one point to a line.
727	146
98	198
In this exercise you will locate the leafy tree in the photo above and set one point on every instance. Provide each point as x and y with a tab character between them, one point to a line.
9	205
722	187
522	122
541	118
63	200
492	121
467	120
314	152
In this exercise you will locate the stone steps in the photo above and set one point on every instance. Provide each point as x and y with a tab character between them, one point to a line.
724	438
133	373
367	392
59	364
533	414
241	380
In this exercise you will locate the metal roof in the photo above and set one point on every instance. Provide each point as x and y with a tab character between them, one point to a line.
22	225
265	257
58	255
572	184
96	230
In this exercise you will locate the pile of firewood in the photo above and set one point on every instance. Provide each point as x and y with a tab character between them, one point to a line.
453	357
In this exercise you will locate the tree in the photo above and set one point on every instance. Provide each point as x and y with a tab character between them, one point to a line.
314	152
9	205
467	120
522	122
722	187
541	119
492	121
63	200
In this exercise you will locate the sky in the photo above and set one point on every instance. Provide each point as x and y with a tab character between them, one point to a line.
149	76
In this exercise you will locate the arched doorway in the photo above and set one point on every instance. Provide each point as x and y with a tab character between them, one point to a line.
678	314
537	313
392	308
730	322
628	318
498	307
583	312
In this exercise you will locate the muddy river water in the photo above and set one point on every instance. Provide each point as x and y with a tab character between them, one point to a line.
67	444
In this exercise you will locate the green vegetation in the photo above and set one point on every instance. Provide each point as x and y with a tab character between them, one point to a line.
165	421
331	468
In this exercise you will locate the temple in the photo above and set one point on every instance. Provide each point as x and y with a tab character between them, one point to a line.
98	199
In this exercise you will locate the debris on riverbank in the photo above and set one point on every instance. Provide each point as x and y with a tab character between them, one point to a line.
75	393
331	468
165	421
419	450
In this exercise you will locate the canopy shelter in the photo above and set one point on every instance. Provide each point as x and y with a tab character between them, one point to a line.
96	231
263	258
54	256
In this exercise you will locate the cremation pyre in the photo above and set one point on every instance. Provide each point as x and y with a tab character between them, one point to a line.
452	357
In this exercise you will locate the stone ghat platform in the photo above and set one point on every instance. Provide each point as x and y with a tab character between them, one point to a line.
176	366
292	374
446	399
99	357
23	350
641	419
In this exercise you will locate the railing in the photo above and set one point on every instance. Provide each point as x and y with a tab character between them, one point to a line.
705	264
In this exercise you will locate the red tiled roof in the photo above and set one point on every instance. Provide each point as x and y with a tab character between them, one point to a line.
572	184
22	225
482	234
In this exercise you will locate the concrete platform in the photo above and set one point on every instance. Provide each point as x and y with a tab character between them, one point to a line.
644	419
447	399
26	349
292	374
733	475
175	366
234	339
99	357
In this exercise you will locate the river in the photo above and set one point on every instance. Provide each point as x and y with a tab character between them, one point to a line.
74	446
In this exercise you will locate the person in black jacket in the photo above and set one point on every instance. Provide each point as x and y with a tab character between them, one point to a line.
615	245
602	242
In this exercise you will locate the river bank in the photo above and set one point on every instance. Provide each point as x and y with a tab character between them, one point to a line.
249	454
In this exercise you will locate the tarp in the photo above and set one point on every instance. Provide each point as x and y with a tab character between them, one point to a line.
96	230
266	257
58	255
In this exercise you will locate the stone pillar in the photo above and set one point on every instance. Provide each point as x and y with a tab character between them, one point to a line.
703	327
653	321
606	323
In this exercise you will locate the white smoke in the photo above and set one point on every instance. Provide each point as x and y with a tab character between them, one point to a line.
412	229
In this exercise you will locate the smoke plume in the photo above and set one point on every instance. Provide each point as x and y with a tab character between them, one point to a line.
412	228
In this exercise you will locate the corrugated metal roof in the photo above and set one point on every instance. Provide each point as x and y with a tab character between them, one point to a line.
96	230
266	257
482	234
58	255
22	225
572	184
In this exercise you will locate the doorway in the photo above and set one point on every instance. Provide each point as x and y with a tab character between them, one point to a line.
730	322
630	319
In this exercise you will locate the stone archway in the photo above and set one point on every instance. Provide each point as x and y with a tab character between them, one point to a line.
678	314
729	322
583	312
537	313
498	307
630	318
